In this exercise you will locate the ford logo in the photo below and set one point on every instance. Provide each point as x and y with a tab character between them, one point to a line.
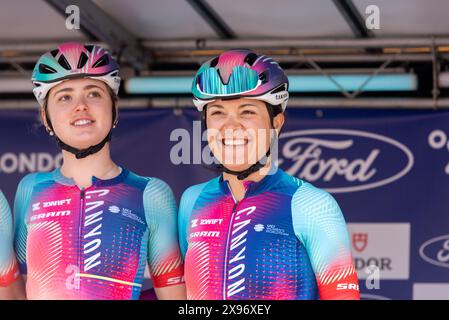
436	251
340	160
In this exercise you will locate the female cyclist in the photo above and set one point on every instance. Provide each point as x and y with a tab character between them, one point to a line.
88	229
255	232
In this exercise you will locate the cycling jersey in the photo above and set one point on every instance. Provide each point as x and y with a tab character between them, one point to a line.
286	239
8	263
94	243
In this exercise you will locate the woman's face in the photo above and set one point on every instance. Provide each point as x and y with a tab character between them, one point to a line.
80	111
239	131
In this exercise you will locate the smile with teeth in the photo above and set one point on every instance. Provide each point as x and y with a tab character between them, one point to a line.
82	122
234	142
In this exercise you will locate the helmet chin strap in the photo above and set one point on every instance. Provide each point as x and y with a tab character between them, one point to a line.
83	153
241	175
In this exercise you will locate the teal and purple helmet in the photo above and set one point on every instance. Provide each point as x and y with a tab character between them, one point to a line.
240	74
74	60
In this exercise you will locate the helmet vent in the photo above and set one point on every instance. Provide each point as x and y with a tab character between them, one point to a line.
89	48
250	58
214	62
279	89
263	77
82	61
43	68
63	62
54	53
103	61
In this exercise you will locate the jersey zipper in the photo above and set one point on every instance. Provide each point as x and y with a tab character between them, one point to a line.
234	210
80	229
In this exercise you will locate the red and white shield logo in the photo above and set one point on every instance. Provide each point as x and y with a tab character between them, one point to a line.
359	241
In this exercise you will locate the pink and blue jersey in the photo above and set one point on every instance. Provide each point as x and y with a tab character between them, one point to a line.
8	263
95	243
286	239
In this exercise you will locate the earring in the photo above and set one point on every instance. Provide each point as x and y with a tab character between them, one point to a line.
115	124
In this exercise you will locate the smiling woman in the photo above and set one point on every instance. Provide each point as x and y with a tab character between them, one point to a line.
79	112
67	63
245	138
256	232
87	230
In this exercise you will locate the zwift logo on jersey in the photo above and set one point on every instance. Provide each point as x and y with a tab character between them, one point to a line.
205	222
341	160
36	206
50	204
194	223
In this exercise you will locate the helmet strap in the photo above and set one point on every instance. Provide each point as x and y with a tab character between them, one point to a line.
241	175
82	153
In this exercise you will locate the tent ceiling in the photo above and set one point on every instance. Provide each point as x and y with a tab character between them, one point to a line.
285	18
158	19
175	32
33	21
409	17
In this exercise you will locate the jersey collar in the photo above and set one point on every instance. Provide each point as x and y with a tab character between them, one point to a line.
254	187
96	182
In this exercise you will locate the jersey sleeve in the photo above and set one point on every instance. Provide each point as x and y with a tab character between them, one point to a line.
319	224
188	200
21	205
8	263
164	257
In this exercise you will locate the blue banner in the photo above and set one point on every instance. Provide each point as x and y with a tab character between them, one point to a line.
387	169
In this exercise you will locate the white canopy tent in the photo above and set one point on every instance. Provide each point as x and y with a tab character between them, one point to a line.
174	36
